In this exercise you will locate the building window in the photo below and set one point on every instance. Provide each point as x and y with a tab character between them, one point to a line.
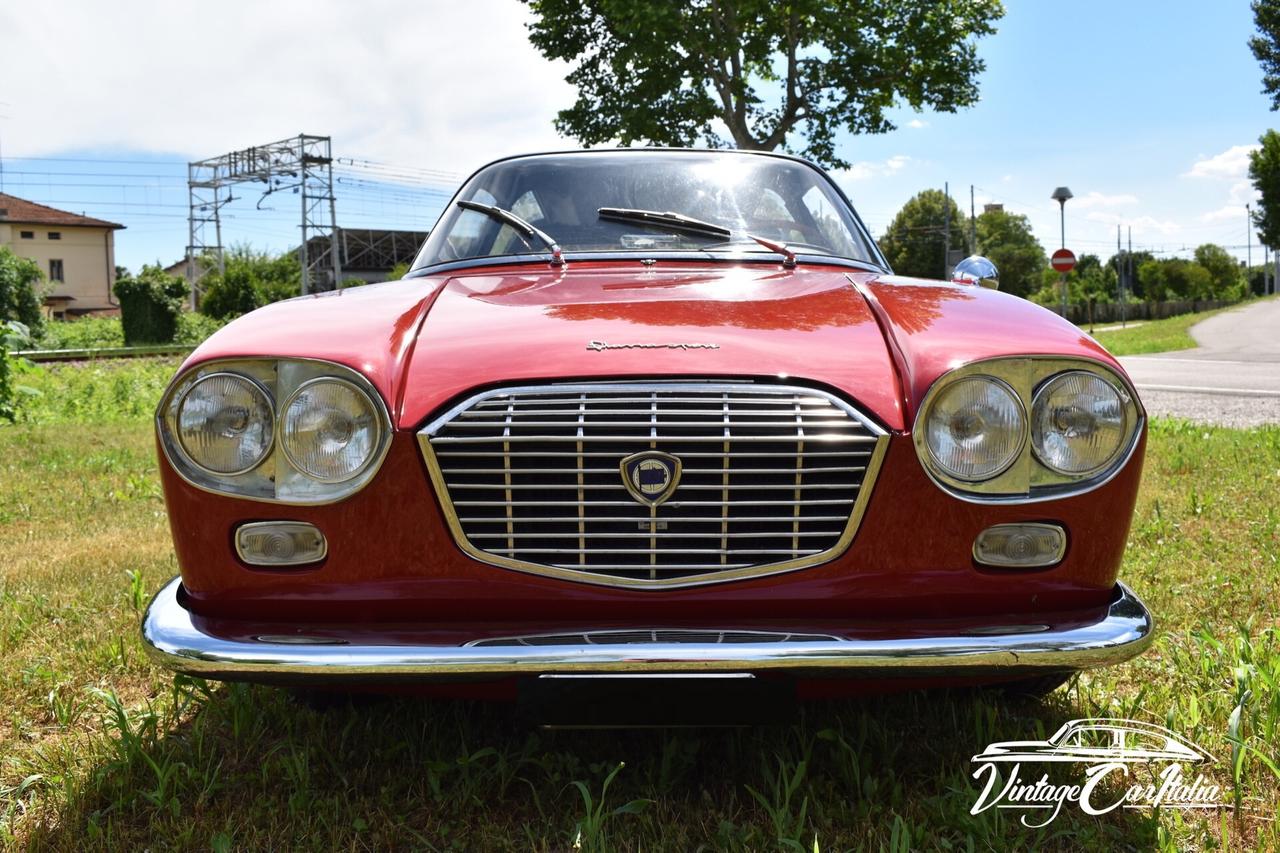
55	235
55	270
27	235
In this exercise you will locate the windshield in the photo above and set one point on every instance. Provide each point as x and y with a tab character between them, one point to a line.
750	196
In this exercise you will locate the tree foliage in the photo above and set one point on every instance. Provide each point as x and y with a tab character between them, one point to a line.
665	73
1264	171
252	279
149	305
1265	45
1225	275
21	283
1007	240
915	243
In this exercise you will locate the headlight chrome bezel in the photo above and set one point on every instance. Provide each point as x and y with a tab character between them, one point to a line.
274	479
254	385
1023	431
1028	480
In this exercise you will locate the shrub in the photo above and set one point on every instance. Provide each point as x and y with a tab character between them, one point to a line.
149	306
194	328
85	333
21	283
13	336
250	280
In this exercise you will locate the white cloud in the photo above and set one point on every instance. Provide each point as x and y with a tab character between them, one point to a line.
435	85
1137	223
1101	200
1223	214
865	169
1232	163
917	124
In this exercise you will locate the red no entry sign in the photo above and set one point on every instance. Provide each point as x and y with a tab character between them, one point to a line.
1063	260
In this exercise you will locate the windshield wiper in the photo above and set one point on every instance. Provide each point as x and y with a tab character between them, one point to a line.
523	228
665	219
680	222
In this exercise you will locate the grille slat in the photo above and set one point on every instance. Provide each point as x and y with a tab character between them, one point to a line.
773	478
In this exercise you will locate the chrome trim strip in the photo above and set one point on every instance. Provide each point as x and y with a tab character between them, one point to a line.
172	639
878	438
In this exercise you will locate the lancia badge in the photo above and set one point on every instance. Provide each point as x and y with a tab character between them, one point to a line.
651	476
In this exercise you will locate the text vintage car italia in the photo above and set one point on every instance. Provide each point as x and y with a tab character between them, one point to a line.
649	411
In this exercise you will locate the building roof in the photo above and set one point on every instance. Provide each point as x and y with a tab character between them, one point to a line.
20	211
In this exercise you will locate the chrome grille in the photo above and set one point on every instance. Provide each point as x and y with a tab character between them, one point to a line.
774	478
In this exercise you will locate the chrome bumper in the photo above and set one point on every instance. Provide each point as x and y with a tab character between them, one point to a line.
173	640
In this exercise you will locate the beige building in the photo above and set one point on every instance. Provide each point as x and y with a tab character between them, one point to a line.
76	253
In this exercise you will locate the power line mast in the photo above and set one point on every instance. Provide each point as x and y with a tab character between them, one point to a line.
302	164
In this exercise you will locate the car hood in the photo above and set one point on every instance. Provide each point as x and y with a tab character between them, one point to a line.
426	342
614	321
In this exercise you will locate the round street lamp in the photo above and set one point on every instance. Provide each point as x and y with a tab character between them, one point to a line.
1060	195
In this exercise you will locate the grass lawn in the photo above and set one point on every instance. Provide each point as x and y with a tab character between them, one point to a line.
1165	335
101	750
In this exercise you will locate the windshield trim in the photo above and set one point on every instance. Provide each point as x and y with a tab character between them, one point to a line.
687	255
879	263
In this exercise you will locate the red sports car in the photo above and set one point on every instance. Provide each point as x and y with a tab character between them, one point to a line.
648	412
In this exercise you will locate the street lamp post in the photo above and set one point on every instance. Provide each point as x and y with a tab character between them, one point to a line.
1060	195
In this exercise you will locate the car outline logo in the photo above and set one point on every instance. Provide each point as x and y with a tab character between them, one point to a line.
651	476
1130	742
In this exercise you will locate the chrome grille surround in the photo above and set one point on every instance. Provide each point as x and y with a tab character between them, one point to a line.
775	478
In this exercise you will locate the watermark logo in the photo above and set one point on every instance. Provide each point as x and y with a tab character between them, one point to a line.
1127	764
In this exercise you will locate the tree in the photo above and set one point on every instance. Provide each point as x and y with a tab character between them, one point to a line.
21	283
1266	46
664	73
1224	272
915	242
252	279
1006	239
150	304
1264	171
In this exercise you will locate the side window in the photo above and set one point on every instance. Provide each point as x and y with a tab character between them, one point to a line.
1089	738
55	270
27	235
828	222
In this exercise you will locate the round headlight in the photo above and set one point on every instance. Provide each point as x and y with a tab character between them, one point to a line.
1077	423
330	430
975	428
224	424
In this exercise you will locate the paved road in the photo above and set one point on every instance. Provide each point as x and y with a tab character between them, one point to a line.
1232	378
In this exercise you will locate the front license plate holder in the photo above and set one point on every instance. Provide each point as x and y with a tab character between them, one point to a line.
656	700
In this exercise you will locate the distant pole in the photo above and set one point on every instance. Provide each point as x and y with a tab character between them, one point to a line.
1128	262
973	223
1248	241
1060	195
1119	276
946	230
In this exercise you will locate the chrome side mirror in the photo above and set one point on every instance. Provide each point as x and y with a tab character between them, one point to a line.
976	269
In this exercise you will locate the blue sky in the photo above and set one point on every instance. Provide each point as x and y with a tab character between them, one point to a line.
1144	109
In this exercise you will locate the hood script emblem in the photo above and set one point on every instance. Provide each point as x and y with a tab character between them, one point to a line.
651	476
599	346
